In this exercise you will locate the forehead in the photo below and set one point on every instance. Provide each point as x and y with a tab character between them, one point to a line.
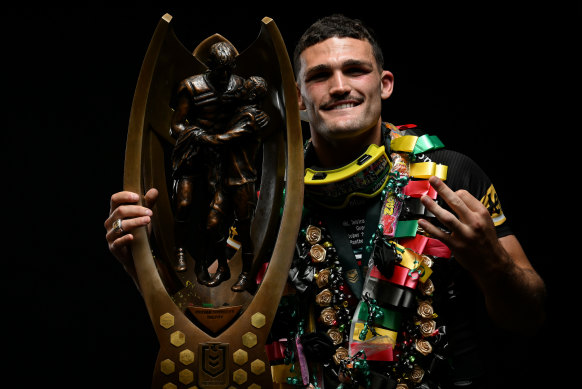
336	51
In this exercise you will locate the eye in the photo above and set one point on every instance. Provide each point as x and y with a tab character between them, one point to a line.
355	71
317	76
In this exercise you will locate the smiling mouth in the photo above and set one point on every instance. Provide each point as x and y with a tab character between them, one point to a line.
338	106
344	106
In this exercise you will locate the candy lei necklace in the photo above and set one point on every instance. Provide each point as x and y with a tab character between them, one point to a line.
393	323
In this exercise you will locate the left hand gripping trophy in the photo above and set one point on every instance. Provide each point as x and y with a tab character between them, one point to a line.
209	129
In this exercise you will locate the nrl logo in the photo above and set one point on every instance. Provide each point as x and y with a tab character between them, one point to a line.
213	369
213	360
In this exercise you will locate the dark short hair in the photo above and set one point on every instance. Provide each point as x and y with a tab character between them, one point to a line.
222	55
338	26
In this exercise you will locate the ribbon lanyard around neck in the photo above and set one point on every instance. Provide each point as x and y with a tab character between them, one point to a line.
353	273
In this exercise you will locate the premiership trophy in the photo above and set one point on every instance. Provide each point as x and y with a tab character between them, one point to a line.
218	133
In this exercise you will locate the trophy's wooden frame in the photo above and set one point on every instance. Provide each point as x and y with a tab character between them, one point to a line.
190	356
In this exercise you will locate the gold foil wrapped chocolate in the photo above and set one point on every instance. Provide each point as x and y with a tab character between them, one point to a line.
322	278
328	316
317	253
340	354
323	298
313	234
427	327
402	385
335	335
423	346
416	374
426	288
425	310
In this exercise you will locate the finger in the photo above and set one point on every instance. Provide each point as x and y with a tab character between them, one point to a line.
451	198
123	197
449	220
126	211
151	197
120	243
434	231
120	248
128	225
472	203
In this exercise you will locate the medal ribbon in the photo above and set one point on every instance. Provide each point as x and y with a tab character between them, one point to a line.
275	350
302	361
280	373
406	228
344	248
404	143
418	188
429	246
390	319
386	335
427	143
416	145
401	276
427	169
388	294
397	291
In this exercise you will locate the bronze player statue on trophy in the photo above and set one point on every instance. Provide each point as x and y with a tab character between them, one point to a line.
218	126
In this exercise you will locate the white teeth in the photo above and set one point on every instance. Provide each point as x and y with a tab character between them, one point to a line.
343	106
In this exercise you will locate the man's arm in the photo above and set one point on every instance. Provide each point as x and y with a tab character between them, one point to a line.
514	292
178	123
245	126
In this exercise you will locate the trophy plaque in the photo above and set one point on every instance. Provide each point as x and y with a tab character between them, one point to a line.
218	133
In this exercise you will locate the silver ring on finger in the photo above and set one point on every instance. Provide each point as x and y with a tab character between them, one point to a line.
117	227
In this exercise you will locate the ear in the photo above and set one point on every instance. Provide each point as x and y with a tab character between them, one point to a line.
386	84
299	99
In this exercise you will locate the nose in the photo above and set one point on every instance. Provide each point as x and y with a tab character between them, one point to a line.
339	84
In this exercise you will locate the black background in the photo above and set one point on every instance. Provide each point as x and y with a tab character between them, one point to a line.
494	81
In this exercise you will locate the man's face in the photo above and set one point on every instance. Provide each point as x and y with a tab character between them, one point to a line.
341	88
220	76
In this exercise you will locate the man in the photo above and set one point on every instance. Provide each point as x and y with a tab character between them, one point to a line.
205	102
216	124
341	84
235	196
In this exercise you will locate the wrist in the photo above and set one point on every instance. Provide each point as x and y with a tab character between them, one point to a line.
494	267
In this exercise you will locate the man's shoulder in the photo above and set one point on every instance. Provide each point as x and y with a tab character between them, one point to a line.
441	155
195	84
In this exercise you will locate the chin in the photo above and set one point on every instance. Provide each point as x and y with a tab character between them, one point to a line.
349	129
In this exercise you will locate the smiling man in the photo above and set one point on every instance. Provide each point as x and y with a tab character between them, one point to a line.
394	322
341	87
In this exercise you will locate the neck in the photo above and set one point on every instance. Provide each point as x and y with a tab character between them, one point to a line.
339	152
